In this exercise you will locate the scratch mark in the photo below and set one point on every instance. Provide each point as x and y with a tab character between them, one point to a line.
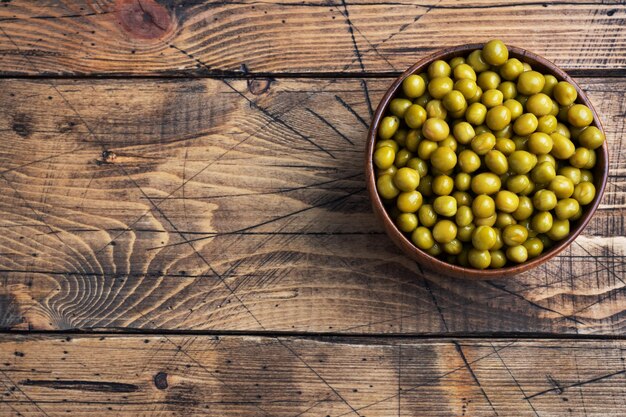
366	93
327	123
471	371
439	310
351	110
33	402
561	389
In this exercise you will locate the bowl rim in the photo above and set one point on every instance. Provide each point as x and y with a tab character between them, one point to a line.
438	265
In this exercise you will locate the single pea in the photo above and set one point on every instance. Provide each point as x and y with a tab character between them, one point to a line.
517	254
561	186
586	175
559	230
550	83
504	219
426	186
462	181
542	222
534	247
562	147
476	61
492	98
530	82
454	247
464	72
445	205
488	80
407	222
464	233
508	89
521	162
435	250
413	138
591	138
498	117
579	115
495	53
435	109
456	61
592	160
483	206
463	132
423	99
543	173
506	201
565	93
566	208
427	215
384	157
547	124
544	200
483	143
400	136
415	116
584	193
464	216
486	183
581	157
388	127
442	185
511	69
467	87
409	201
525	124
468	161
402	157
462	198
479	259
426	148
486	221
476	114
506	146
422	238
391	171
386	187
539	104
419	165
413	86
454	101
514	234
516	108
540	143
496	162
483	238
572	173
435	129
444	231
440	86
439	68
498	259
398	106
524	209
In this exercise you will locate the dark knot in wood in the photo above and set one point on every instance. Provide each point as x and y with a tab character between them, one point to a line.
258	86
145	19
160	380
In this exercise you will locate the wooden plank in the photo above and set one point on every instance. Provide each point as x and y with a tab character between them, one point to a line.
237	37
258	376
240	205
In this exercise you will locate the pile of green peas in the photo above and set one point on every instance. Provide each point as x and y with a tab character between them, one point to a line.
484	162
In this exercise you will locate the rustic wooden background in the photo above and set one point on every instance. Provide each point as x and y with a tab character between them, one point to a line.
184	228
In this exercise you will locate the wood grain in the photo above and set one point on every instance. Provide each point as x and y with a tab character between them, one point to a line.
240	205
257	376
128	37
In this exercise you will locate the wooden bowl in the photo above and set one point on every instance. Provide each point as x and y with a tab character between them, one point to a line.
600	171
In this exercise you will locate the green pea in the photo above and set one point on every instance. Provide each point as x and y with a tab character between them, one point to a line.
419	165
504	133
467	87
517	254
426	148
572	173
398	106
504	219
498	117
435	250
400	136
591	138
427	215
506	146
407	222
454	247
498	259
534	247
384	157
488	80
584	193
580	158
409	201
479	259
422	238
516	108
439	68
565	93
462	198
426	186
547	124
511	69
391	171
386	187
506	201
483	206
413	86
524	209
415	116
445	205
463	132
435	129
486	221
463	72
442	185
436	109
444	231
525	124
544	200
543	173
542	222
566	208
586	175
388	127
514	234
464	233
559	230
540	143
539	104
456	61
423	99
530	82
464	216
579	115
492	98
402	157
483	143
521	162
495	53
440	86
476	114
463	180
561	186
496	162
476	61
486	183
508	89
468	161
413	138
562	147
454	101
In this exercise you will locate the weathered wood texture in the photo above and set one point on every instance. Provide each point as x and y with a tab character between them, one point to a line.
249	376
240	205
200	37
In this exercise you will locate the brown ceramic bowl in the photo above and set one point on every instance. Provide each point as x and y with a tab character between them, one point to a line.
600	171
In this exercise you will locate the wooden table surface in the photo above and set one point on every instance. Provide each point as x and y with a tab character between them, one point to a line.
184	227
